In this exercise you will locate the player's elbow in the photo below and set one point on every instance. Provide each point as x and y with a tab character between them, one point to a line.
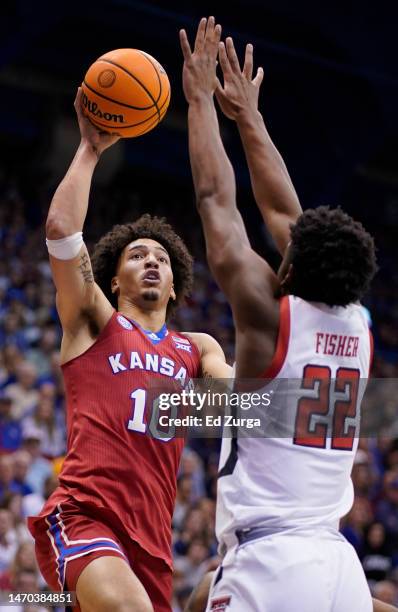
209	199
57	228
219	268
205	200
223	259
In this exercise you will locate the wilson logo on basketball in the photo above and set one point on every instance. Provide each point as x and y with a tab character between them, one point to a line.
95	110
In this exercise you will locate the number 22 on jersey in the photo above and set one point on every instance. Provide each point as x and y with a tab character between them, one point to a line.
342	433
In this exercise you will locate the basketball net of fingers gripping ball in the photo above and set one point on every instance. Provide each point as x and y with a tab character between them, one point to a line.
127	92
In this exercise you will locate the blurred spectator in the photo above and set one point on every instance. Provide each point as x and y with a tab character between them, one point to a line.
212	475
40	467
43	419
40	356
208	508
22	461
11	356
362	476
8	540
391	457
24	561
11	331
377	552
191	567
23	392
46	311
8	486
194	526
191	465
26	581
183	500
54	377
47	390
387	509
10	428
14	505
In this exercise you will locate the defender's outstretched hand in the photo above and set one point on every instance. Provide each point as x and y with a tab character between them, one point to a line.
199	72
240	92
89	133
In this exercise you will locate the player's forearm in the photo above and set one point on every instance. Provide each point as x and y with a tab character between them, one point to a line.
272	187
213	175
214	182
69	205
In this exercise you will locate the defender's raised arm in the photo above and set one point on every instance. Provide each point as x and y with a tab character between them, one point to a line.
272	187
213	175
246	279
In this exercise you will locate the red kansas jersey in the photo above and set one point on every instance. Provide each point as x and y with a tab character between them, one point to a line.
114	460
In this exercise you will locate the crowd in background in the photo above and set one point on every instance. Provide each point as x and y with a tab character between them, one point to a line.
32	418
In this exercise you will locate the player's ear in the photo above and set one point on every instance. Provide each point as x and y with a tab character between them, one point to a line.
173	293
114	284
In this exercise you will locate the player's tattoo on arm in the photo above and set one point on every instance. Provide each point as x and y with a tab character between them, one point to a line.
210	384
207	378
85	268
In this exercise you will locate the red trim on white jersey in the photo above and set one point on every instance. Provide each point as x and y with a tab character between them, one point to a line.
282	343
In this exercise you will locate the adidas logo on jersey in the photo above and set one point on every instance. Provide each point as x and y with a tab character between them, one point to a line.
180	340
124	322
220	604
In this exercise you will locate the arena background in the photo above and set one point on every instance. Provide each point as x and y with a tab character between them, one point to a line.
329	99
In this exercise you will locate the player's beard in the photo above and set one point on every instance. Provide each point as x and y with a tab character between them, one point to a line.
150	295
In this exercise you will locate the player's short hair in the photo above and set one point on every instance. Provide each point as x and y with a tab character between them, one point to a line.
333	257
109	248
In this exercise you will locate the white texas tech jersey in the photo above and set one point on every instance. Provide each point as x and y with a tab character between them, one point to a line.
300	474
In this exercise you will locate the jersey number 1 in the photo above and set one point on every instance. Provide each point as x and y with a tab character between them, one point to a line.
342	437
137	422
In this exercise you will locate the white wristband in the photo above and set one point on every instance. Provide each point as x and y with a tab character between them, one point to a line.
65	248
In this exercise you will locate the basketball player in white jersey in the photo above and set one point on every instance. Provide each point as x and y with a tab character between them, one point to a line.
280	498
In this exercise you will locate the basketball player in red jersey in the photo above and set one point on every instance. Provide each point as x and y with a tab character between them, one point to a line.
106	530
331	261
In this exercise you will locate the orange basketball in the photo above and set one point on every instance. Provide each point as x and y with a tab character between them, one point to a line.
126	91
